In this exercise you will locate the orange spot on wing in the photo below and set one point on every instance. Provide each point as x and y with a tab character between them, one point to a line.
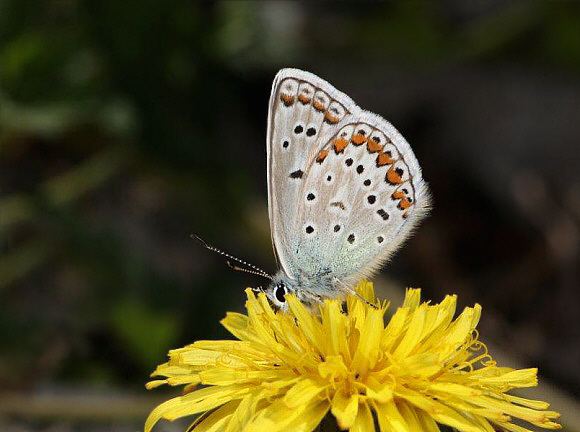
287	99
358	139
393	177
330	118
384	159
318	106
398	195
373	146
339	145
404	204
304	99
321	156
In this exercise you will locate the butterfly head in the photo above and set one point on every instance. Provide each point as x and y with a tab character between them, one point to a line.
278	289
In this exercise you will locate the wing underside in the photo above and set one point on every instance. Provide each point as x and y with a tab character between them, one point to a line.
345	189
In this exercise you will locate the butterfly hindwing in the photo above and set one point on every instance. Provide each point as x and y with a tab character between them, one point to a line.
343	199
369	196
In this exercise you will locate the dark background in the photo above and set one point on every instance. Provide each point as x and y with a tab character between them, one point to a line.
127	125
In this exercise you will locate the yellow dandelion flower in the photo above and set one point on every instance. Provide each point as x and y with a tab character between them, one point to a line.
287	370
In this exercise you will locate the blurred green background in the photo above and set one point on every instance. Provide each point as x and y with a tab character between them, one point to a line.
126	126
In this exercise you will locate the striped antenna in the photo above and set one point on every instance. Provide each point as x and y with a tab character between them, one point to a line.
252	268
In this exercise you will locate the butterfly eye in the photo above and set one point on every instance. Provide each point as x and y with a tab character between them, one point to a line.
280	292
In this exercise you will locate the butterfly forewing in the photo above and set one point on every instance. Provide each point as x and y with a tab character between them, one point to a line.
345	189
303	116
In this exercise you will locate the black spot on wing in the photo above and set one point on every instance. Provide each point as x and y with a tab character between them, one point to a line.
383	214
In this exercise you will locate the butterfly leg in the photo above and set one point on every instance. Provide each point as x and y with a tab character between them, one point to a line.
348	290
258	289
309	298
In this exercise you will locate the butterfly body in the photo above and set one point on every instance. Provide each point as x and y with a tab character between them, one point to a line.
345	189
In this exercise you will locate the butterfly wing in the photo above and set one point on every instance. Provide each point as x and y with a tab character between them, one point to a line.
304	114
345	189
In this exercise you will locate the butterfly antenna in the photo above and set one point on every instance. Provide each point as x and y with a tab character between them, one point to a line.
244	270
253	269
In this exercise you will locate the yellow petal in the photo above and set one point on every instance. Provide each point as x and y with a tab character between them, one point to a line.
364	420
530	403
524	413
236	324
225	376
167	369
335	323
422	365
205	358
193	403
455	389
191	380
309	325
333	367
377	391
242	415
390	419
417	399
514	378
512	427
280	417
483	423
413	334
302	392
214	421
367	351
427	422
281	383
154	384
437	321
393	330
515	428
310	418
465	406
366	290
344	408
412	298
450	417
266	308
410	416
239	348
460	330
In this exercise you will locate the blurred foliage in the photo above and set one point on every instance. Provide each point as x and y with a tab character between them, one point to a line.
125	126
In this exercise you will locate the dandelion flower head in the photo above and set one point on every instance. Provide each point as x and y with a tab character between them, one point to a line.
288	370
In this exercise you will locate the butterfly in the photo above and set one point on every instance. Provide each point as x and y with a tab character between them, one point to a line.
344	190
